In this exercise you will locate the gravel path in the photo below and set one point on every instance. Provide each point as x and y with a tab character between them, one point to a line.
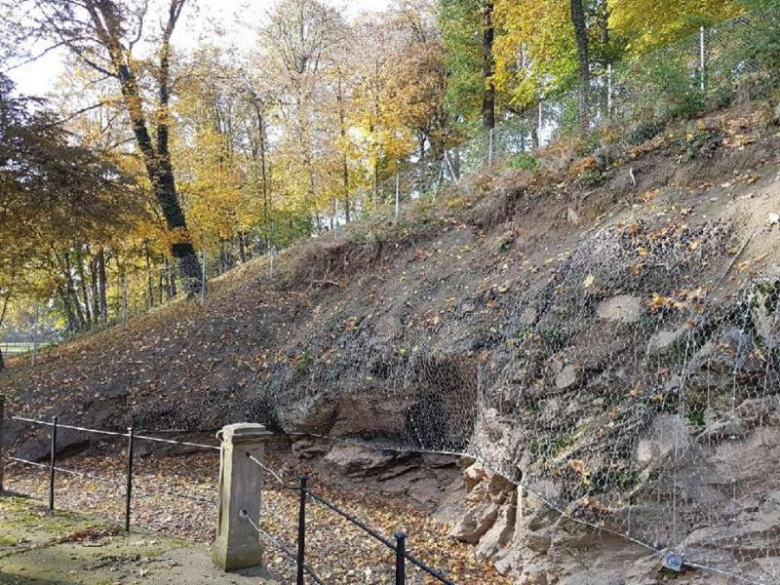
172	495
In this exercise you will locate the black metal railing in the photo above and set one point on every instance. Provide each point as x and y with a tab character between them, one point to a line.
129	486
398	545
305	494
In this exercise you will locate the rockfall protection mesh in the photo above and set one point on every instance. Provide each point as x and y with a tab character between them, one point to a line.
618	392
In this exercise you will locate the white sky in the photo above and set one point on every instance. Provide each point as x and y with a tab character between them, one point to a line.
38	78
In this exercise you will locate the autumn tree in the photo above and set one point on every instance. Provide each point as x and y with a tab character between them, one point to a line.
103	35
54	196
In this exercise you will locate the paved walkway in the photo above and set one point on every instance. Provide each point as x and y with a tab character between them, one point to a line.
37	547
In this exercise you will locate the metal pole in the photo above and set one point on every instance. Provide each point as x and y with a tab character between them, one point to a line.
609	90
400	558
35	334
203	280
52	462
541	124
129	486
2	417
302	531
702	60
124	303
490	148
397	195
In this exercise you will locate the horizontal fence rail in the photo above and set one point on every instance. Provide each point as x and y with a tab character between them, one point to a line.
128	483
398	547
297	554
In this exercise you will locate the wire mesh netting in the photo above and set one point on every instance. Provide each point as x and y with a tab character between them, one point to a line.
616	392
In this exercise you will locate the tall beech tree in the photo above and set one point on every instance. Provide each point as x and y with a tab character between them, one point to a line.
103	35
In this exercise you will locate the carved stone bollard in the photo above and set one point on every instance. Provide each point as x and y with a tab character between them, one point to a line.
237	545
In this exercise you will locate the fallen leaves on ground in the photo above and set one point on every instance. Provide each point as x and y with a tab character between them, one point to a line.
172	496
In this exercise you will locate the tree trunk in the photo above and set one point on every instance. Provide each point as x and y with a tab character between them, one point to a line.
488	68
241	248
2	361
344	165
102	285
72	295
581	39
149	278
93	282
83	285
156	157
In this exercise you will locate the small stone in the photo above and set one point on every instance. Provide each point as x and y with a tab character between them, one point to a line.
622	308
664	343
568	378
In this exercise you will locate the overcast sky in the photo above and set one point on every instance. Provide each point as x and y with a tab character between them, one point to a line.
37	78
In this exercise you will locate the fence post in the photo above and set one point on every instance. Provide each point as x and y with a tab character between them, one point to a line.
609	90
400	558
541	124
397	195
35	334
302	532
124	303
52	462
203	280
702	60
2	418
129	485
237	545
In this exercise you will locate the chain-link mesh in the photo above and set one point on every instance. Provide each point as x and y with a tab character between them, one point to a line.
616	392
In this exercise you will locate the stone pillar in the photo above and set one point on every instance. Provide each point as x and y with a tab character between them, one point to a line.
240	480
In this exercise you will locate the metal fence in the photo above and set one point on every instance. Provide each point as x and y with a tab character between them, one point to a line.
297	553
629	101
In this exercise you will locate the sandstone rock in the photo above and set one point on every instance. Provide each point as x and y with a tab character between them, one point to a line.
477	521
310	447
528	316
363	413
357	460
499	536
425	491
667	433
622	308
665	343
568	378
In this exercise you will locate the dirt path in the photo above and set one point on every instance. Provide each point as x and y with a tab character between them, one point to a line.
173	499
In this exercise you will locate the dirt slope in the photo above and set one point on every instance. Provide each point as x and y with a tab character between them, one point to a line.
510	321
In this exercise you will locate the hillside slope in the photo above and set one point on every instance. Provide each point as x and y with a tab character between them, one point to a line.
602	331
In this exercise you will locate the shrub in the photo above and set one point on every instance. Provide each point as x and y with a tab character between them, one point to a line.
524	161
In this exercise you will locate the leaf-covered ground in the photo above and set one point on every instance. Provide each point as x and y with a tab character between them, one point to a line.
174	493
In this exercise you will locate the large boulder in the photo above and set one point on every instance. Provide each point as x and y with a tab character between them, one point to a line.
357	460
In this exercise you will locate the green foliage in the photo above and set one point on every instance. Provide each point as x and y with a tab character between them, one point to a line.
461	24
668	90
525	161
762	39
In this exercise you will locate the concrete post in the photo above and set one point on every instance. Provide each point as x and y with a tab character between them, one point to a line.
240	480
